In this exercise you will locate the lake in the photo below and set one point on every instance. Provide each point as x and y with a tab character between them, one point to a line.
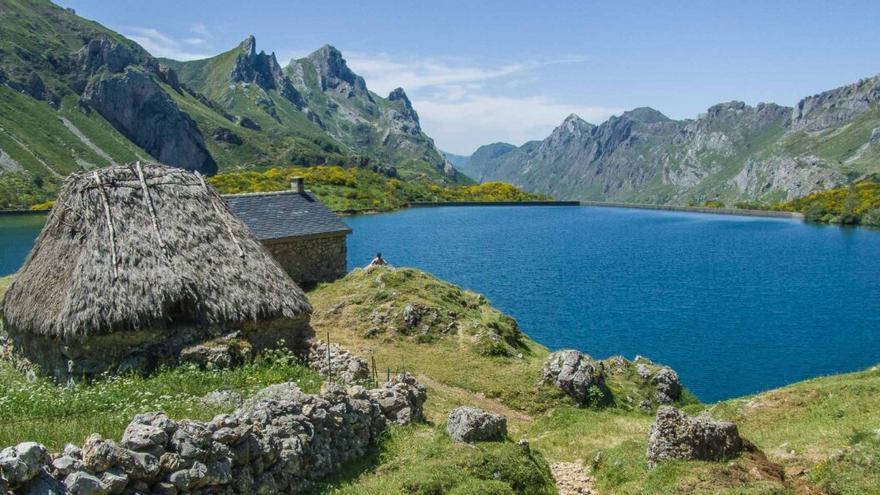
735	304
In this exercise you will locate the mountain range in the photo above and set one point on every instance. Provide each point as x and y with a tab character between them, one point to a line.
75	96
731	153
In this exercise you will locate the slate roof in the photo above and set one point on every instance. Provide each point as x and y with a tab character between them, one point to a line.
278	215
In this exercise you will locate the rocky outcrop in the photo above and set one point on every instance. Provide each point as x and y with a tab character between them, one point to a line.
799	176
334	74
102	53
668	385
136	106
470	424
282	443
577	374
263	70
675	435
836	106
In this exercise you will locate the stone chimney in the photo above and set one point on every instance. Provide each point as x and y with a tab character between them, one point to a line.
296	185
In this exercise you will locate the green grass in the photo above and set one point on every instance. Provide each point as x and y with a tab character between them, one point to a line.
54	415
817	436
358	190
421	459
829	425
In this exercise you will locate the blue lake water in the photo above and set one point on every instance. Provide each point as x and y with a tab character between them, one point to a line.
735	304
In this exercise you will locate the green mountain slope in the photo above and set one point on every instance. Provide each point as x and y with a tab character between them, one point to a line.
317	102
76	96
733	152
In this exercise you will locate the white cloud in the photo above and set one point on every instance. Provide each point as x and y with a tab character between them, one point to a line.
195	41
161	45
464	105
462	125
200	29
383	73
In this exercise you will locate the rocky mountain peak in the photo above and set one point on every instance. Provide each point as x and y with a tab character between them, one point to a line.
335	73
406	111
261	69
645	115
398	94
573	124
248	46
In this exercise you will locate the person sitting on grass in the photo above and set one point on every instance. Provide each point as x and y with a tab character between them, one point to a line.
378	261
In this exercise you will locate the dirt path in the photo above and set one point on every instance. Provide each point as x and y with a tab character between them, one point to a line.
572	478
476	399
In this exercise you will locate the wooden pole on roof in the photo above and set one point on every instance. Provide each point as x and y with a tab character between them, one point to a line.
106	200
151	208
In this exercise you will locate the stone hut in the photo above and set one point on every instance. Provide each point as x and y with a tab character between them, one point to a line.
301	233
135	265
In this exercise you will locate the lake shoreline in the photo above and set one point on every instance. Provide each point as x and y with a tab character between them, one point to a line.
606	204
700	209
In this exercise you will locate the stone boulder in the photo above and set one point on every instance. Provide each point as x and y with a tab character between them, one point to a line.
668	386
470	424
401	399
575	373
23	462
676	435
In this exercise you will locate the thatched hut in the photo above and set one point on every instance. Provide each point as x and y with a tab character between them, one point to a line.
137	263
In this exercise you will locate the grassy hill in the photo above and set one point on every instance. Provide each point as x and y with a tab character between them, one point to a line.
820	436
610	440
356	190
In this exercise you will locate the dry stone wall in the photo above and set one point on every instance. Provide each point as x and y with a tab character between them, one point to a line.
280	441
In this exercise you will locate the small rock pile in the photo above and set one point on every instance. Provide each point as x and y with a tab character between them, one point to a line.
280	442
470	424
675	435
343	366
401	400
575	373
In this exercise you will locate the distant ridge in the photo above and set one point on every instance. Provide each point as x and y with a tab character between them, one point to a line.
732	153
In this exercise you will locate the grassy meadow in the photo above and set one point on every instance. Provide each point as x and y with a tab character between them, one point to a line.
820	436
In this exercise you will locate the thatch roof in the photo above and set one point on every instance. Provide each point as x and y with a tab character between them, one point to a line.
111	259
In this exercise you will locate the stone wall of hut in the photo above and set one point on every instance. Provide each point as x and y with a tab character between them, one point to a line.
313	259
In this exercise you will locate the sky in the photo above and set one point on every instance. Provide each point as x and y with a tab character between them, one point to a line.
487	71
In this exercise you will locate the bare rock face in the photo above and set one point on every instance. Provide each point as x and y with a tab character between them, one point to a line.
576	373
100	53
335	74
263	70
836	106
136	106
470	424
675	435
